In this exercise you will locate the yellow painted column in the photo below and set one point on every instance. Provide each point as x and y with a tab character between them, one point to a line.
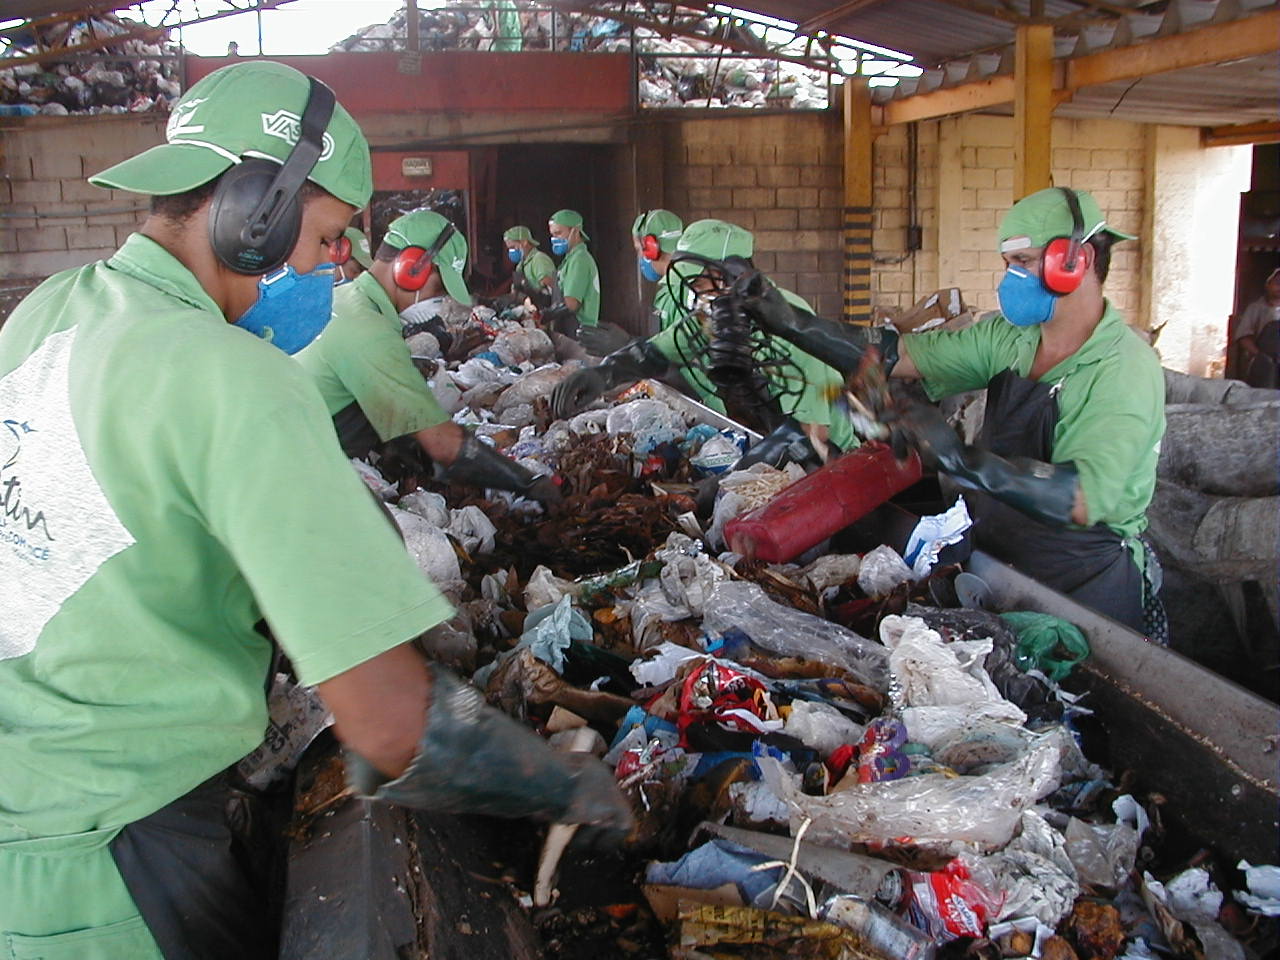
1032	109
857	200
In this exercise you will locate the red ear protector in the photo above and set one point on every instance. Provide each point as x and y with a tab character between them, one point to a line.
340	251
1062	268
649	247
413	266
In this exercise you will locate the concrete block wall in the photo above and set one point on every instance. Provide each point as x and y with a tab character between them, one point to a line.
53	219
779	176
964	186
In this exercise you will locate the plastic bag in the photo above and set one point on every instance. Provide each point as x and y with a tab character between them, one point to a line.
947	904
1102	853
650	423
589	422
931	809
688	575
1047	643
430	548
832	570
374	480
544	588
935	725
790	632
471	528
531	386
1264	889
430	506
821	727
933	673
881	571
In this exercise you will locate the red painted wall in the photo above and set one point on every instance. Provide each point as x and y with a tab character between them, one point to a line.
456	81
450	170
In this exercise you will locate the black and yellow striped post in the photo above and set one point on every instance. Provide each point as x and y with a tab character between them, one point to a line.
857	200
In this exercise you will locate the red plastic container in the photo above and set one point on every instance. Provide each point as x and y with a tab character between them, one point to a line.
823	503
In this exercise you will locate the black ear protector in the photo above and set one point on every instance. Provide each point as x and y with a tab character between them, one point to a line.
255	216
413	266
1062	268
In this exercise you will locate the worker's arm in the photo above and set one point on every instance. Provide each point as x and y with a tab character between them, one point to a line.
636	361
573	303
1249	343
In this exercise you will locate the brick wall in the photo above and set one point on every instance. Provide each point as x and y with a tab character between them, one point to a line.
53	218
964	186
778	176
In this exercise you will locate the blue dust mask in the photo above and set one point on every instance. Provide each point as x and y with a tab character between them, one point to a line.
559	246
292	308
1024	300
648	272
514	254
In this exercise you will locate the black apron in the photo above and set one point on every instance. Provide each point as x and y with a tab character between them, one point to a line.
1092	566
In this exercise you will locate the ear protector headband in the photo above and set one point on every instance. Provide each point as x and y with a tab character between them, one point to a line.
255	216
413	266
340	251
1062	268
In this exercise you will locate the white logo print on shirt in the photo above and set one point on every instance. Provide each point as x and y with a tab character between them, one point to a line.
56	525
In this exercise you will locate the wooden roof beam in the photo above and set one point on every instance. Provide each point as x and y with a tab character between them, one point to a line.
1266	131
1252	36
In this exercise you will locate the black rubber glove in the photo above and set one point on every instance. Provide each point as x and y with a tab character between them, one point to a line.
602	340
840	345
636	361
473	758
787	444
1044	491
480	465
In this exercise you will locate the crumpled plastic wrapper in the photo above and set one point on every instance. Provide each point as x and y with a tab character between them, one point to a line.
423	345
1034	873
374	480
528	388
471	528
1264	889
832	570
477	370
519	345
790	632
430	506
1103	853
881	571
932	809
650	423
544	587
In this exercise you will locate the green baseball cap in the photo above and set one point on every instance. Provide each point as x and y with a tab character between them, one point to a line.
569	218
250	109
520	233
359	247
713	239
663	224
420	229
1036	219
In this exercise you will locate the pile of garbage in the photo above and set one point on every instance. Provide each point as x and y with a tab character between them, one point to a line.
842	757
128	76
674	71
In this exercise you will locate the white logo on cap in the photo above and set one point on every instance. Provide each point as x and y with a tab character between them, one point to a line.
288	127
180	120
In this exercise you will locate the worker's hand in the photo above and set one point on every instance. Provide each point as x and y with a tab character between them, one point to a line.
561	319
602	340
545	490
597	802
578	391
923	427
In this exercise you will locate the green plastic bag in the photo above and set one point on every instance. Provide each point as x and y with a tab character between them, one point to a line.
1046	643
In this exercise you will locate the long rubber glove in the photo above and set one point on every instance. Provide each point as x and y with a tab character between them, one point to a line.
787	444
1044	491
636	361
473	758
480	465
839	345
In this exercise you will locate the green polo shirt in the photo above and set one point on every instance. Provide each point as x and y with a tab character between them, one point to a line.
665	306
536	267
580	279
179	480
361	357
1110	403
813	404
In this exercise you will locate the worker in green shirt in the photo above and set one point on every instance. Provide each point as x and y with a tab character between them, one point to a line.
508	34
170	478
1066	464
367	377
799	391
655	235
579	277
535	272
351	255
